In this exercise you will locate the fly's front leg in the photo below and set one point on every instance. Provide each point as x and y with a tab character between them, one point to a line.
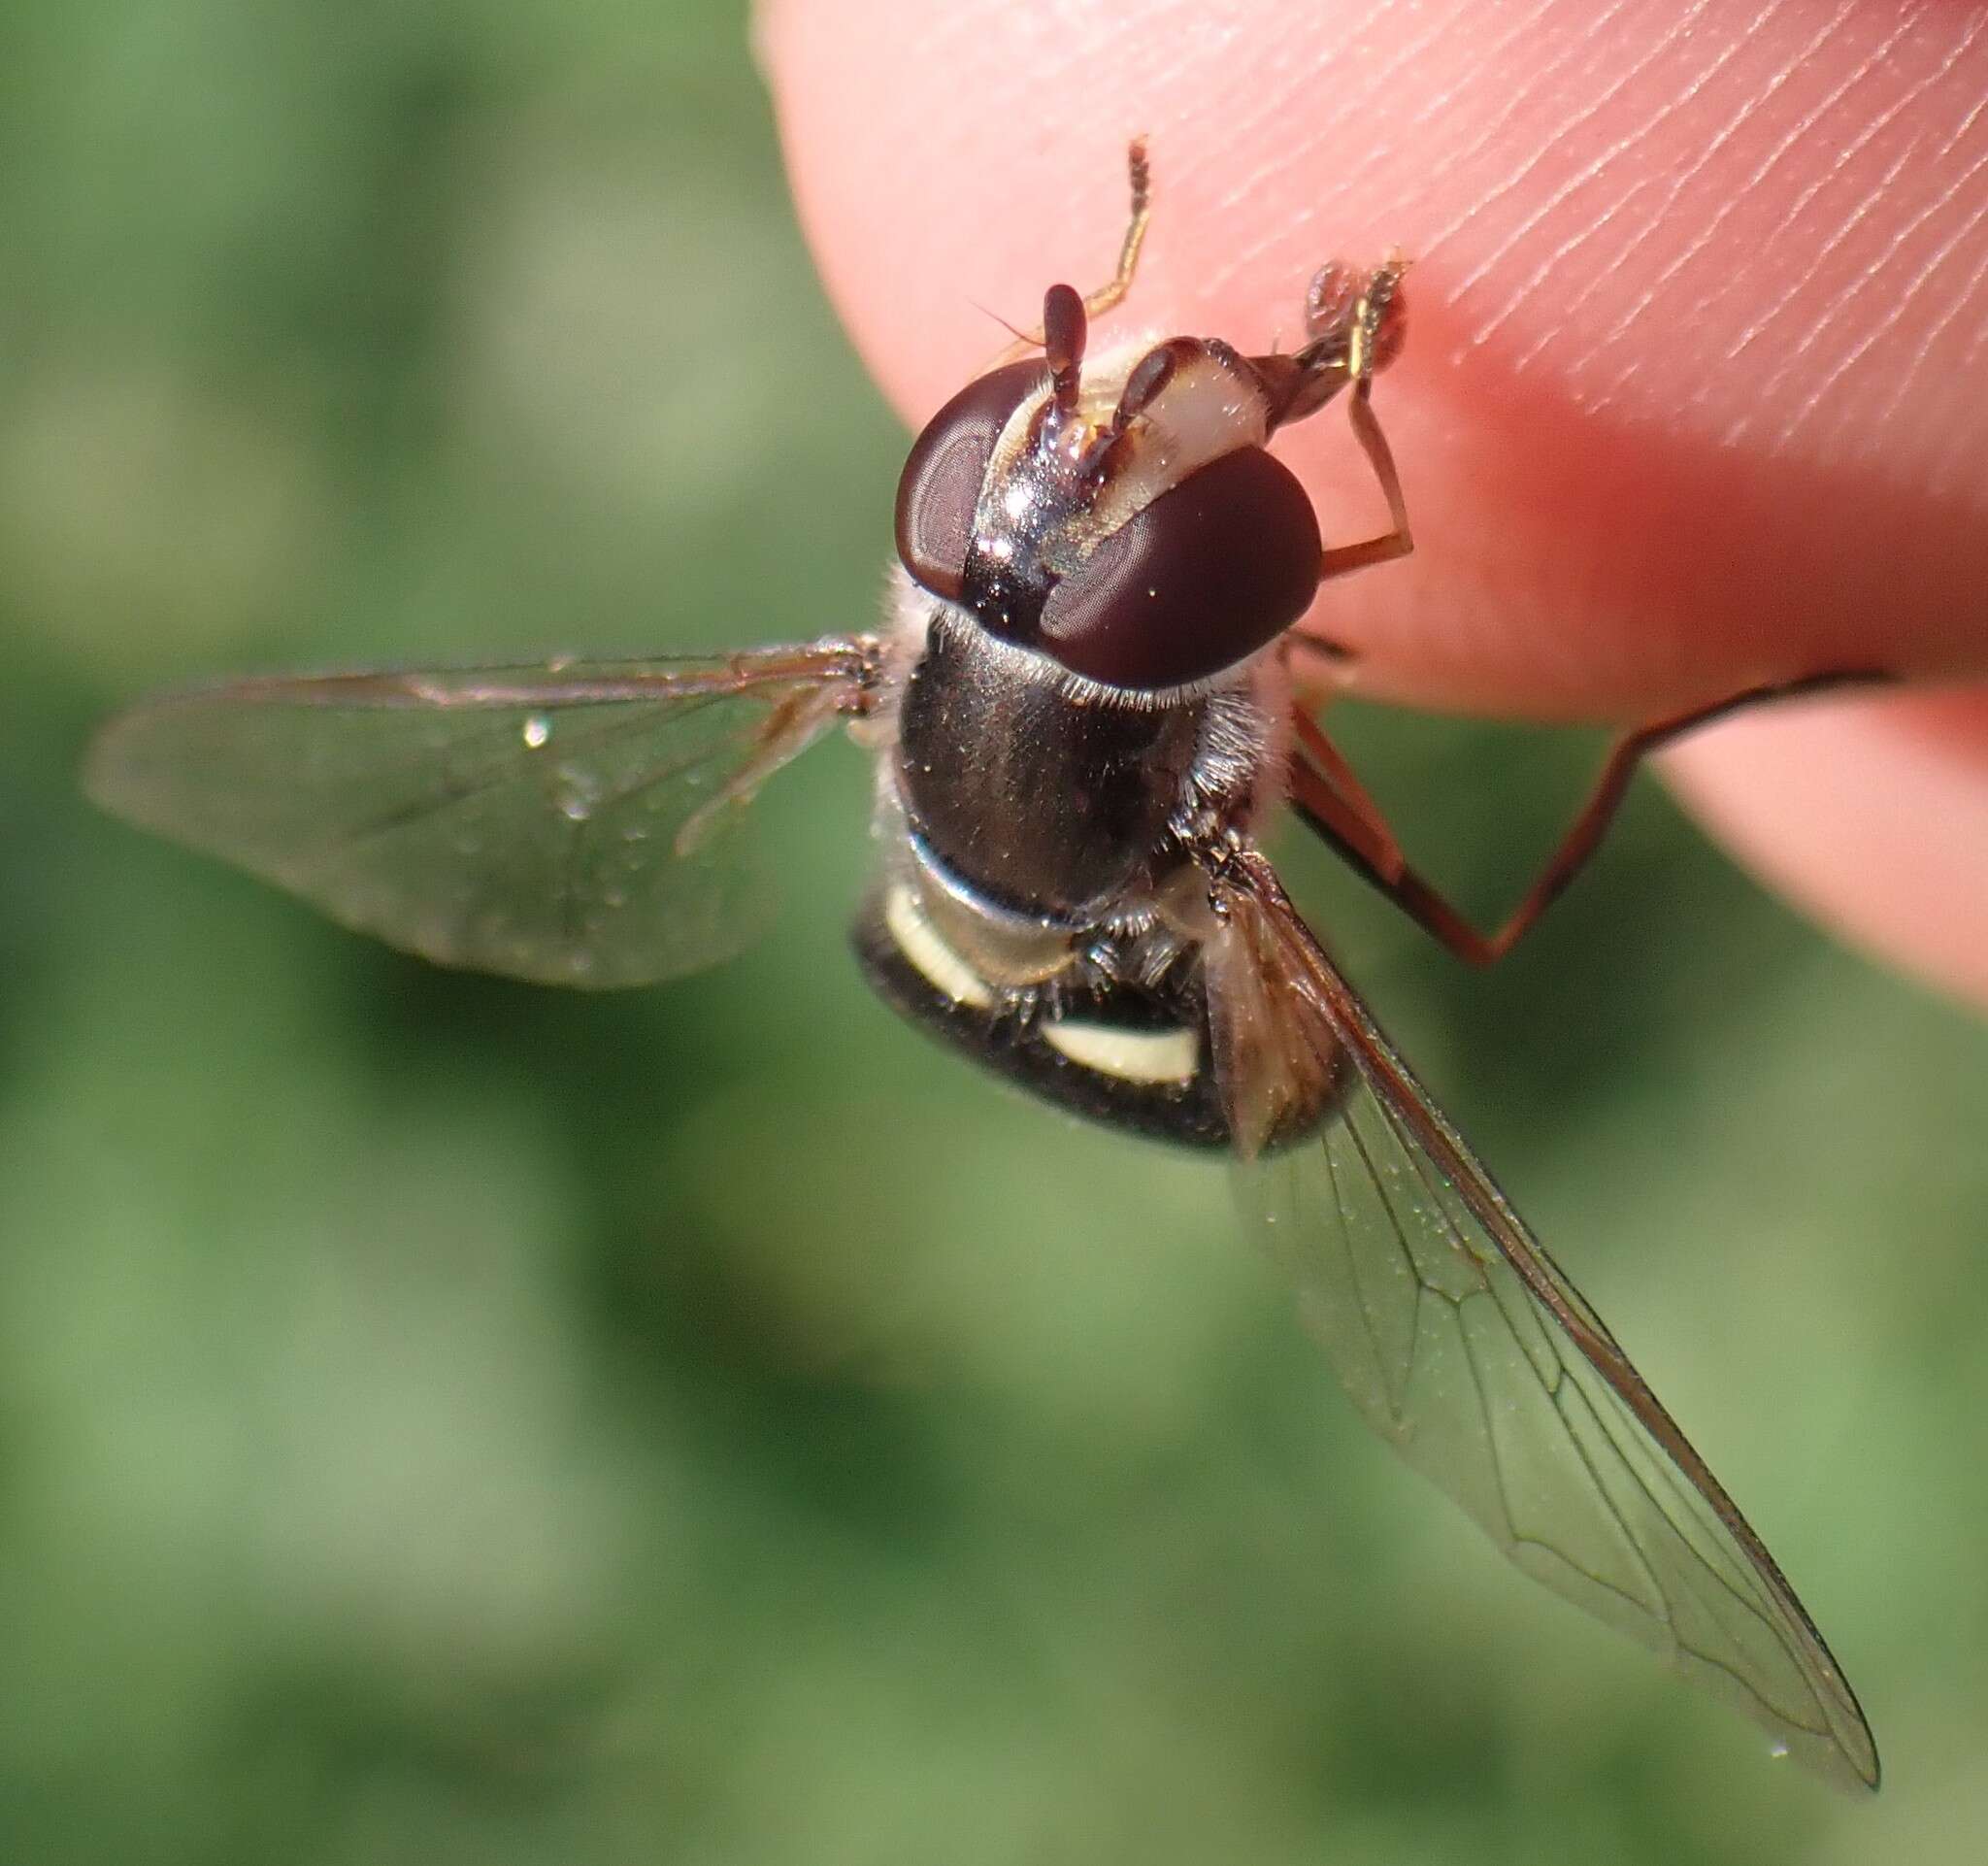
1140	173
1357	322
1370	321
1345	818
1112	291
1397	540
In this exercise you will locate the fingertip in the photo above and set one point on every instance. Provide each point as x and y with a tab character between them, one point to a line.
1666	431
941	181
1871	815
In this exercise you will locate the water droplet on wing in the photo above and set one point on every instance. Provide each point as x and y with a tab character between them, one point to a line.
576	793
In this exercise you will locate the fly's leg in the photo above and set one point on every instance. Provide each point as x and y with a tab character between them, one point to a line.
1397	540
1140	173
1112	291
1368	320
1355	324
1328	795
1356	320
1325	794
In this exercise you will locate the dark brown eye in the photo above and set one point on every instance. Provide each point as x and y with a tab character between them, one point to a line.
941	483
1192	584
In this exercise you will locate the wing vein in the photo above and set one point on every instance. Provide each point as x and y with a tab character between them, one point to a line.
1365	1311
1545	1432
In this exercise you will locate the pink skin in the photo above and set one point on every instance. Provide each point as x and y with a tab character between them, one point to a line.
1696	390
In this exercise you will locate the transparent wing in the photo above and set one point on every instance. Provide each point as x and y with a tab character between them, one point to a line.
572	823
1468	1351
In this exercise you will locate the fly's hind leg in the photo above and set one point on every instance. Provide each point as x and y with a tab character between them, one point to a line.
1331	801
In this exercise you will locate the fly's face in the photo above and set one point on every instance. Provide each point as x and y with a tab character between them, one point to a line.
1125	520
1080	719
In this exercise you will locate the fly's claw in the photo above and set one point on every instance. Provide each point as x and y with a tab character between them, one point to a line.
1356	316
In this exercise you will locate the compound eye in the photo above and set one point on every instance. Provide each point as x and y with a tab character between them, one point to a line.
1192	584
941	483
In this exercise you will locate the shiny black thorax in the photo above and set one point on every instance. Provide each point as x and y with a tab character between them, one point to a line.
1048	796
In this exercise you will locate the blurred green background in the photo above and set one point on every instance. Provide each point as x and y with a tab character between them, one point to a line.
443	1421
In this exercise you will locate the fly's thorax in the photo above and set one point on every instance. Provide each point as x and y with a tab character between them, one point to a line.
1049	799
1046	799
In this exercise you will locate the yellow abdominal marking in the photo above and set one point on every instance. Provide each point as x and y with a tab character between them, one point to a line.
1152	1056
919	941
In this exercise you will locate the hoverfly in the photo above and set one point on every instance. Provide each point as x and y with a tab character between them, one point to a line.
1083	713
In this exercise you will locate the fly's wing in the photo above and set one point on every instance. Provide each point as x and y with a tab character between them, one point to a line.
1468	1351
571	823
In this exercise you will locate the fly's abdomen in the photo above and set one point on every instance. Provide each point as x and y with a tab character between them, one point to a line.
1133	1056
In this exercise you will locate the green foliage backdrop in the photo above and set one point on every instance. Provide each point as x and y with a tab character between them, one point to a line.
447	1421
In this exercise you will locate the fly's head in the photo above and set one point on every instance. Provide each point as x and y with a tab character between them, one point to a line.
1126	519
